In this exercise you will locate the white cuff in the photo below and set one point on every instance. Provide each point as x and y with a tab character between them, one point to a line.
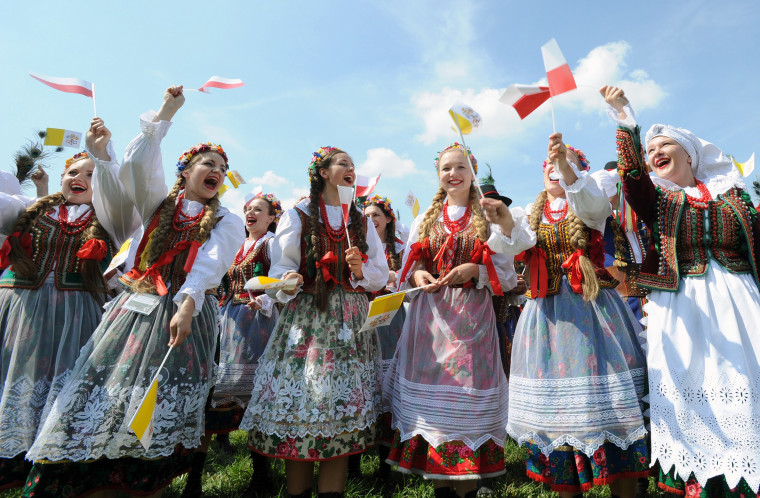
101	162
198	297
630	117
155	131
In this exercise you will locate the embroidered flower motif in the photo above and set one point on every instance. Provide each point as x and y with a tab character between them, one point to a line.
345	333
294	335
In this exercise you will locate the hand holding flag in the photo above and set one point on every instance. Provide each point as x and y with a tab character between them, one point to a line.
346	195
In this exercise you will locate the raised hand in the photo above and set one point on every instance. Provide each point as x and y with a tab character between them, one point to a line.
97	139
498	213
615	97
174	98
40	179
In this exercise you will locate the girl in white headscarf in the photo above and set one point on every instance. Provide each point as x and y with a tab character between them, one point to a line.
702	267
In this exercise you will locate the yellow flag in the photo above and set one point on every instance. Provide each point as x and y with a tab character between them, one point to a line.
223	189
465	117
236	179
142	421
413	203
65	138
746	168
416	208
267	283
382	310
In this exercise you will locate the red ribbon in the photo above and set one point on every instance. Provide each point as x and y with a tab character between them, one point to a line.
93	249
5	250
535	258
439	257
493	277
167	258
574	274
323	263
415	253
365	258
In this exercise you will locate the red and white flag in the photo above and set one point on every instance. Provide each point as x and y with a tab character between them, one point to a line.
69	85
365	185
219	82
558	72
346	195
525	98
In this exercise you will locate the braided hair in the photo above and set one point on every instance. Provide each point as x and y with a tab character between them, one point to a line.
316	186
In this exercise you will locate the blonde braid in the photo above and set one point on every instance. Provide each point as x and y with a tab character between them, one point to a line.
579	240
20	260
92	274
537	211
432	214
478	220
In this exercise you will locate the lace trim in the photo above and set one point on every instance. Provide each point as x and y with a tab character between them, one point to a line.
586	448
596	380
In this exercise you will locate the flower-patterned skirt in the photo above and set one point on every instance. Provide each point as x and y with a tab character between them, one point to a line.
316	394
452	460
715	486
90	418
42	333
570	470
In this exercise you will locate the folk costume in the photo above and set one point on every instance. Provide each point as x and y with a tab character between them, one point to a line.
578	372
446	386
316	396
703	311
89	421
45	319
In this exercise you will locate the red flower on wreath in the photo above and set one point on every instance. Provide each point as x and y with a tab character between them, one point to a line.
600	457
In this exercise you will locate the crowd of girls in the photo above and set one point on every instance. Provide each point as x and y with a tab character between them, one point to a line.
592	397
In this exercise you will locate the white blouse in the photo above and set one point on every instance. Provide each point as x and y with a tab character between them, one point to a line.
286	250
503	263
142	180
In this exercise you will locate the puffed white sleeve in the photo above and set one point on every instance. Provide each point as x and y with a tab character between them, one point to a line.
286	250
9	183
587	200
630	116
521	238
214	257
142	172
11	207
375	270
114	208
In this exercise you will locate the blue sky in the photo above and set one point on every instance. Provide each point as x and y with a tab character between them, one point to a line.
376	79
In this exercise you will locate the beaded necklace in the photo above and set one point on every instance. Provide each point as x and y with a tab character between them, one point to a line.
335	235
74	227
190	221
701	201
548	212
456	226
240	257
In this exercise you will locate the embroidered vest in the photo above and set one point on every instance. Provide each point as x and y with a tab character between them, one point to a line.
466	245
172	272
51	245
624	256
255	264
554	239
339	269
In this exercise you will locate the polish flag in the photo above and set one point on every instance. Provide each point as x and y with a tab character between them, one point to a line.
69	85
346	195
365	185
219	82
558	72
525	98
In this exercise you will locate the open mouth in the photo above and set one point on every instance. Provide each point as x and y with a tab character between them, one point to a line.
251	220
455	183
211	182
78	188
662	162
348	179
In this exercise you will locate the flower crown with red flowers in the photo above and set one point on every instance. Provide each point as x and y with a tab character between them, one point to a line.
186	156
581	158
465	149
76	157
273	201
318	156
383	202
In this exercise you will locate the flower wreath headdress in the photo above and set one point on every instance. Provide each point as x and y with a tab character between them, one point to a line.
318	156
186	156
465	149
76	157
273	201
383	202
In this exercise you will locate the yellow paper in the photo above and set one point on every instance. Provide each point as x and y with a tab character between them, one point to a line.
54	136
416	208
745	168
385	304
236	179
142	422
223	189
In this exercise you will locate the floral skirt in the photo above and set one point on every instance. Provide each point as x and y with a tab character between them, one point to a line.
134	476
244	336
691	488
42	332
452	460
315	390
567	469
90	418
578	373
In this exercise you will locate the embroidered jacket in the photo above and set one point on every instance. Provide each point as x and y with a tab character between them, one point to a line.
335	269
255	264
51	245
618	248
553	242
177	242
681	241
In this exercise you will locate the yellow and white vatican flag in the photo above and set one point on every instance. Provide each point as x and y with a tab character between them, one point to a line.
382	310
465	117
63	138
120	257
413	203
746	168
267	283
142	421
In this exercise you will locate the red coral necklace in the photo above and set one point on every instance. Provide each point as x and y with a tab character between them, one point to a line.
548	212
701	201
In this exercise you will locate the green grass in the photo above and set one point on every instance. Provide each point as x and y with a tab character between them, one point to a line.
228	475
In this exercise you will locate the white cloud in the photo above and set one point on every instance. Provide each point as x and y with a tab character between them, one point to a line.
269	178
387	162
234	198
603	65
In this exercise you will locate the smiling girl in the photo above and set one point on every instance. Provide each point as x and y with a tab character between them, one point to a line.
51	294
445	386
316	396
188	244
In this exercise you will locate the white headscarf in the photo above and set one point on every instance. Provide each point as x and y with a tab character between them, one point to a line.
708	163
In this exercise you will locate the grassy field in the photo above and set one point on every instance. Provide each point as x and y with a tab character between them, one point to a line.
227	475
